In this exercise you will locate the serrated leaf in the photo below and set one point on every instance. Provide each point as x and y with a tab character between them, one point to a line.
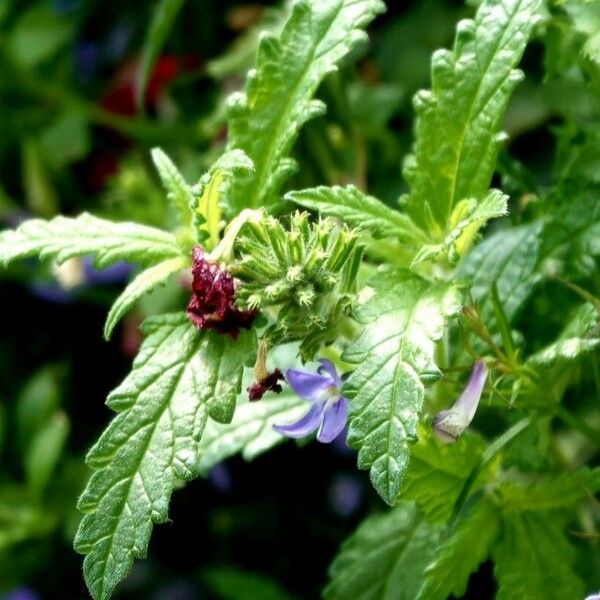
549	492
179	375
62	238
359	210
510	258
586	19
458	120
179	192
580	336
468	217
163	17
438	473
143	283
394	354
264	120
461	551
251	429
384	559
533	560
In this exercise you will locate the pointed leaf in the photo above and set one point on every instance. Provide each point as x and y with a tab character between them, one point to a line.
459	118
179	375
62	238
264	120
143	283
359	210
394	354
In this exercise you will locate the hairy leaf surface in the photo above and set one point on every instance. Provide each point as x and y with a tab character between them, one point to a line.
394	354
62	238
359	210
179	375
458	120
265	119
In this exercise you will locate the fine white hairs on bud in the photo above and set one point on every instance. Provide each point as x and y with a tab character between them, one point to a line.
448	425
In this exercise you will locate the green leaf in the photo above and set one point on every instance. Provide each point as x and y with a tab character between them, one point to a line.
458	120
586	18
510	258
468	217
63	237
264	120
394	354
179	375
549	492
163	18
461	552
533	560
45	451
179	192
359	210
143	283
212	186
438	473
384	559
580	336
251	429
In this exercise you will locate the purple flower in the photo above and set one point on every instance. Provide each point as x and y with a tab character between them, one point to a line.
329	409
448	425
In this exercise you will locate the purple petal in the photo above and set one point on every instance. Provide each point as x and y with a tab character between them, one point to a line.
328	367
334	420
469	399
309	386
306	425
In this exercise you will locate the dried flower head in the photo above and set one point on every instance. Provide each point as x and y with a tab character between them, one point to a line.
212	305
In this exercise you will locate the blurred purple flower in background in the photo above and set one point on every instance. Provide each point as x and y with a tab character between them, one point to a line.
329	409
21	593
346	494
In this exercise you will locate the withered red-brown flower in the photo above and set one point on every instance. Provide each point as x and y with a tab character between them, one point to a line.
212	305
270	383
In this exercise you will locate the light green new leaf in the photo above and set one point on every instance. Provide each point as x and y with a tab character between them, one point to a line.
179	375
580	336
458	120
212	185
359	210
143	283
438	473
468	217
549	492
384	559
533	560
265	119
394	354
511	259
163	18
251	429
460	554
62	238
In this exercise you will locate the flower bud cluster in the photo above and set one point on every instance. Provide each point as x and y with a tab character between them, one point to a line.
307	272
